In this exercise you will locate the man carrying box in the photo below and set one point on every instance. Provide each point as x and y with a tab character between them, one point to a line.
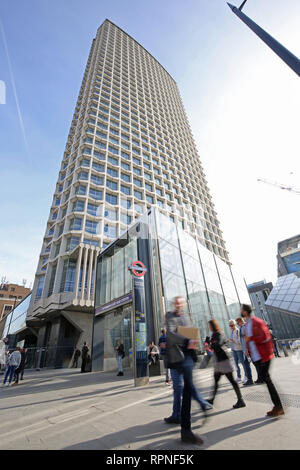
182	342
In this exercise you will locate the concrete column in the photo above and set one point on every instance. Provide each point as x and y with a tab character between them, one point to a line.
90	274
84	273
95	267
78	272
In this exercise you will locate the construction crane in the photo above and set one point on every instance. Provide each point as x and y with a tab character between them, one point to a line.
280	185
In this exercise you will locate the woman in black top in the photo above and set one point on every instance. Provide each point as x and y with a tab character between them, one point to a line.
120	356
222	363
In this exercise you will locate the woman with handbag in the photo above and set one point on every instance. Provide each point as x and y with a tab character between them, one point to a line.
222	362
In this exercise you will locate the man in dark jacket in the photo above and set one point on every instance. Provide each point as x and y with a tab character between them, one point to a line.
84	353
76	357
180	357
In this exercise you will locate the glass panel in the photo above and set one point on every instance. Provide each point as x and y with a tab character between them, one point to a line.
117	325
118	273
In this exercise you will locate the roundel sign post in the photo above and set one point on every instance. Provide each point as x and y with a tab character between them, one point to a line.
139	324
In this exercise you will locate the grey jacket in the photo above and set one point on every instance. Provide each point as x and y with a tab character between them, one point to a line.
176	343
15	359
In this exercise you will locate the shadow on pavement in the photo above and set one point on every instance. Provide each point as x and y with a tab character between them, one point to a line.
169	436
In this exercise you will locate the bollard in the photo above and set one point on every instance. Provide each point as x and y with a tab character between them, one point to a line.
284	348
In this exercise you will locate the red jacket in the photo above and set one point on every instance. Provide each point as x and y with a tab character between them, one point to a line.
262	339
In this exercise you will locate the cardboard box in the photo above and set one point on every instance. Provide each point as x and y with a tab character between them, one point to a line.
188	332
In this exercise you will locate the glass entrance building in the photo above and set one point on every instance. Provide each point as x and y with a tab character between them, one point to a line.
178	264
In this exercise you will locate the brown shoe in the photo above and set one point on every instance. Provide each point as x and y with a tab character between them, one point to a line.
277	411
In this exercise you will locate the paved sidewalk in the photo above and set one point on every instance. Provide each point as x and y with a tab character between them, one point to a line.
64	409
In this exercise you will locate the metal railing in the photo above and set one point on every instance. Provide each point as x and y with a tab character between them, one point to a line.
51	357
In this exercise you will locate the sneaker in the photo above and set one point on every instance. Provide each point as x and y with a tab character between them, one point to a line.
249	382
168	383
238	379
245	380
10	384
190	438
172	420
275	412
206	407
239	404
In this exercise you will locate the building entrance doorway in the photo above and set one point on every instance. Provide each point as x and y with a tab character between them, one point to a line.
117	325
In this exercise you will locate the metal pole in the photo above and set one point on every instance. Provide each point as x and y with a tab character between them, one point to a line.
290	59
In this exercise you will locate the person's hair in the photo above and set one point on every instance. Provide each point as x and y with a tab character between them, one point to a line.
207	339
239	319
163	331
231	321
84	344
247	308
178	297
215	325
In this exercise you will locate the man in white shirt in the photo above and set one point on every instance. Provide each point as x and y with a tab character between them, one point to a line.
237	350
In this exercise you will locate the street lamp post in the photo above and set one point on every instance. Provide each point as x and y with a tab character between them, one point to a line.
290	59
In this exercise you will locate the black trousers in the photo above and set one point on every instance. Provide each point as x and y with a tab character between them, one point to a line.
265	376
75	362
83	364
256	365
229	376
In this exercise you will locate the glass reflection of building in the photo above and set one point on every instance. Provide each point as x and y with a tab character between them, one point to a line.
177	265
16	329
283	307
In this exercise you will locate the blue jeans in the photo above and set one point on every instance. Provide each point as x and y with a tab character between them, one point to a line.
120	363
180	376
247	367
239	358
10	371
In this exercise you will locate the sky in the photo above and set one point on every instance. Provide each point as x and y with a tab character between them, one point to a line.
241	99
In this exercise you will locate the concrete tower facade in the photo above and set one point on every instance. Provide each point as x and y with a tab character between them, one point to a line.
129	147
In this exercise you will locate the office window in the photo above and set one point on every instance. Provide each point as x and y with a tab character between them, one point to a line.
111	199
95	194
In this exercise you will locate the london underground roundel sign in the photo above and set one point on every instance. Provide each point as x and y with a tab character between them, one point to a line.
138	268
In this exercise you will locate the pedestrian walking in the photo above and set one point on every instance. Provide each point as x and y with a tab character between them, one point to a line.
153	353
260	347
274	339
76	356
84	353
246	359
13	363
237	350
162	346
120	356
208	350
181	356
20	370
222	363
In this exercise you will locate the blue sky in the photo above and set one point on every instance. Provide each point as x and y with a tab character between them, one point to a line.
242	102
